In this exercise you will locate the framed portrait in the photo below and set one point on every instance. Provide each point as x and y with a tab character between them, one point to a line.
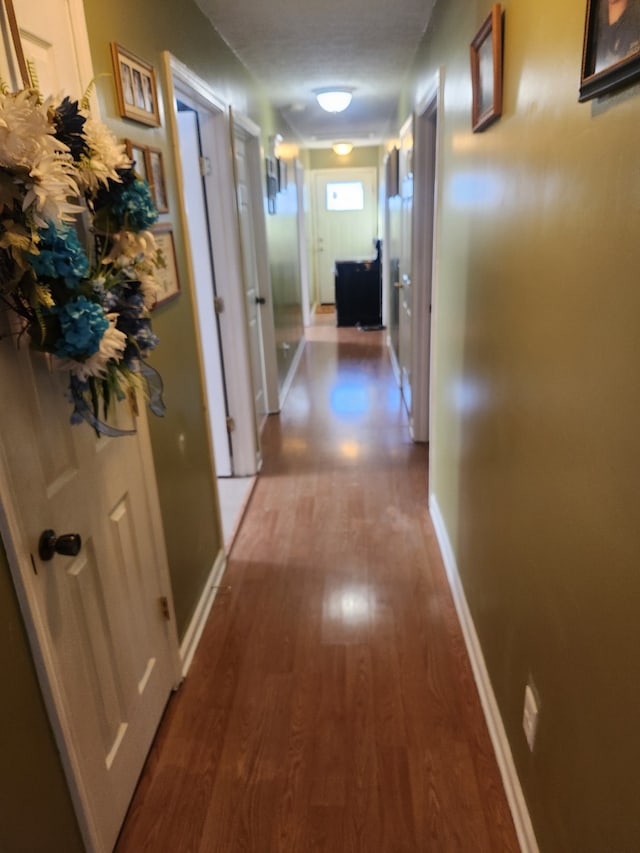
611	49
166	276
156	179
272	183
392	167
135	86
486	71
138	154
283	181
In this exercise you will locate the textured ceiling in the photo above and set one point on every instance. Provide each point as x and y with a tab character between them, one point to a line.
296	46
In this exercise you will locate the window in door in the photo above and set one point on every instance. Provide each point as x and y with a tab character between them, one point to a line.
345	195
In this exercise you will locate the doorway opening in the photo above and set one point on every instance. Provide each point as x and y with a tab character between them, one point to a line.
345	223
212	232
412	227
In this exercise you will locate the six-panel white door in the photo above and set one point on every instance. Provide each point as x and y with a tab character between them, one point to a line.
254	299
107	654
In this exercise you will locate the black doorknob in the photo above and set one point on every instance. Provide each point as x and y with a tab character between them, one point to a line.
68	544
260	300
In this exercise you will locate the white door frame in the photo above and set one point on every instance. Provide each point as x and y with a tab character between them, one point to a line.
225	242
251	133
303	242
425	225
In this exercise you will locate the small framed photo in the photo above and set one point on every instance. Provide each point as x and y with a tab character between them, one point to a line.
138	154
166	276
611	48
135	86
272	183
486	71
283	180
156	179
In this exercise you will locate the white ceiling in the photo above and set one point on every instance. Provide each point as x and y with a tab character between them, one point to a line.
296	46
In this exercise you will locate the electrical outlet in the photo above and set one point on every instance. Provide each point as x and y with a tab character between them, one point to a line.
530	715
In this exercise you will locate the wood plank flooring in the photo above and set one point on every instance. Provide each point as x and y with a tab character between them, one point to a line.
330	706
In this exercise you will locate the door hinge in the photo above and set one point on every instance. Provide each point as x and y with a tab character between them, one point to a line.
205	166
218	304
164	608
231	425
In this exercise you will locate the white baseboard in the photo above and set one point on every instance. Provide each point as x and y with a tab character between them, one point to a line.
394	360
198	621
510	780
295	361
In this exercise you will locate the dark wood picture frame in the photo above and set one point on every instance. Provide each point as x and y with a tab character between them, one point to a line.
156	178
283	180
486	71
392	173
136	88
610	53
167	276
138	154
271	171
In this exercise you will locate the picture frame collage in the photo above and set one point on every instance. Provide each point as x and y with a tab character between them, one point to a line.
137	99
610	56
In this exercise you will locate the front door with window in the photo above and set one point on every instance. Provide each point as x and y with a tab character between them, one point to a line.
345	219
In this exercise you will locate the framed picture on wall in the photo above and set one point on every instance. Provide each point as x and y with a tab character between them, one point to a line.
156	179
167	276
283	180
611	48
486	71
392	172
135	86
138	154
272	183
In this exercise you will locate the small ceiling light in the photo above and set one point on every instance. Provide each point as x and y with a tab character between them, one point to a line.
342	148
334	100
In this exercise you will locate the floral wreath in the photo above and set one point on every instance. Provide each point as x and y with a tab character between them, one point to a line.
85	302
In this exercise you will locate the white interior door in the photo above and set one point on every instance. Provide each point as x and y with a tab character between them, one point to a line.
405	270
254	299
345	219
224	245
195	205
424	242
107	655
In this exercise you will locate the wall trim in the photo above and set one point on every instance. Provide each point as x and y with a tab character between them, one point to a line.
286	385
504	757
393	358
193	633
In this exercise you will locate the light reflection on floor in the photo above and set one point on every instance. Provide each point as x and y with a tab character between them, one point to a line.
352	605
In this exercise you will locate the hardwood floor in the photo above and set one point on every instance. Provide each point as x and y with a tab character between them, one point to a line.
330	706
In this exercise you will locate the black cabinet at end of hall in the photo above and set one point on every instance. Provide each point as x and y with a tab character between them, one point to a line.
358	293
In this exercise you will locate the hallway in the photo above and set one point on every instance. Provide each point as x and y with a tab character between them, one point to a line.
330	706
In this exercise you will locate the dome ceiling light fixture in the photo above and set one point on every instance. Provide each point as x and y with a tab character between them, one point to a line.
334	99
342	148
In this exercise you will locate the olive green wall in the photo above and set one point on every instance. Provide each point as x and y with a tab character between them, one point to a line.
535	449
186	480
36	815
